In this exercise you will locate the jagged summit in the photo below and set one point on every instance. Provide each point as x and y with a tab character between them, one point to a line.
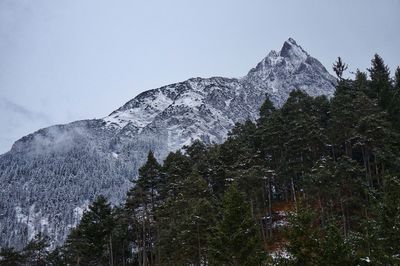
291	49
277	74
291	68
291	53
73	163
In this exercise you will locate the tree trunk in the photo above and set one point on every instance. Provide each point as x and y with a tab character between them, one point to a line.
322	210
293	190
251	207
344	218
111	252
123	253
198	243
270	207
261	221
144	241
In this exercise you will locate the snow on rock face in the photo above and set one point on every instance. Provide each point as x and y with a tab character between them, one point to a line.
49	177
141	110
292	68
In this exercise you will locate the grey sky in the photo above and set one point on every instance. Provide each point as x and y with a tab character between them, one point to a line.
66	60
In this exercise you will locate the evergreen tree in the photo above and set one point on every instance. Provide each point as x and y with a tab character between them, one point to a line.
186	221
266	109
57	257
339	67
322	187
361	81
351	196
305	137
214	169
141	205
303	240
387	244
380	86
11	257
150	177
91	242
343	120
176	167
196	151
123	238
335	249
236	239
394	106
37	250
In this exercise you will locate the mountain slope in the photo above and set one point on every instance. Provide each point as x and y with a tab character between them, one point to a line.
48	178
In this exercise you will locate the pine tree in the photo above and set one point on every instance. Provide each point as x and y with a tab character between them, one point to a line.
214	169
176	167
123	237
343	120
302	236
37	250
361	81
305	137
58	257
11	257
196	151
150	177
335	249
189	225
236	239
388	223
380	86
266	109
322	187
91	242
141	205
339	67
394	106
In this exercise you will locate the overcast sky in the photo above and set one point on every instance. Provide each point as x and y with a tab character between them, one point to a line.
62	61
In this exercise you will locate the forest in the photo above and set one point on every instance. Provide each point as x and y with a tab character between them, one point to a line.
315	182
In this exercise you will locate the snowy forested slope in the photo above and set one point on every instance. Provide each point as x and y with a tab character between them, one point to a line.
48	178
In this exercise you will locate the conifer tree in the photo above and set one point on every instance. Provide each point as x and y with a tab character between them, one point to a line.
142	201
380	86
91	242
387	244
339	67
343	120
322	187
58	257
235	239
303	240
266	109
37	250
394	106
305	137
11	257
176	167
335	249
187	224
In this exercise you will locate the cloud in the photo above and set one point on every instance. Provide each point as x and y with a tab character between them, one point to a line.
17	121
17	109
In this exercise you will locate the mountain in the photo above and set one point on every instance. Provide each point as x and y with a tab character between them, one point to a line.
49	177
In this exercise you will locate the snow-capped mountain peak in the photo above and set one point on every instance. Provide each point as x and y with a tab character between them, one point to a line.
292	50
72	164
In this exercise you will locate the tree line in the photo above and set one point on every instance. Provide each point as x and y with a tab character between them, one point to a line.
315	182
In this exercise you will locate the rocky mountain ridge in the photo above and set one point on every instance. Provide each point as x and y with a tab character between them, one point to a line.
49	177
